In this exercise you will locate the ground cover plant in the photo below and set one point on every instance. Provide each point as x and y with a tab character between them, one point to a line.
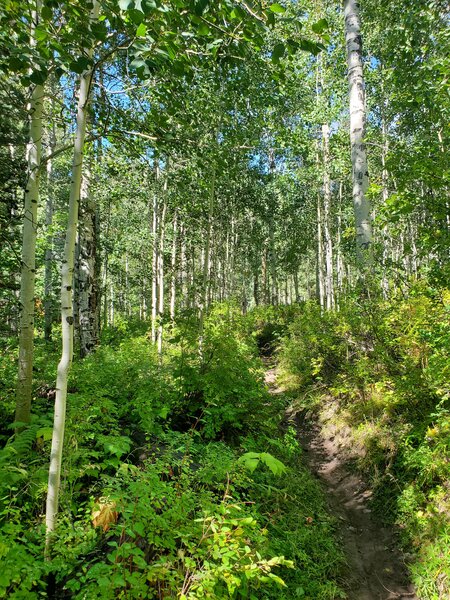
157	496
378	377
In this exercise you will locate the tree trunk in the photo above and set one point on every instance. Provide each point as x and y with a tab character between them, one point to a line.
296	290
28	271
48	257
264	276
256	288
206	260
320	276
162	237
87	269
66	302
340	269
173	279
361	203
385	196
328	241
183	267
155	263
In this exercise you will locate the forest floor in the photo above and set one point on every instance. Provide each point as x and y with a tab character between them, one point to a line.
376	568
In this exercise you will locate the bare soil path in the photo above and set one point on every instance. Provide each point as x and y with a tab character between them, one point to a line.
376	568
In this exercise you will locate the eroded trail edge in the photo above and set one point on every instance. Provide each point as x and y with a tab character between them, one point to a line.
376	566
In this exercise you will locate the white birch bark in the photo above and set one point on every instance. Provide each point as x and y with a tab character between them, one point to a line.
272	252
48	257
320	275
173	279
385	196
28	269
328	241
361	203
340	270
162	237
206	260
65	362
154	264
184	267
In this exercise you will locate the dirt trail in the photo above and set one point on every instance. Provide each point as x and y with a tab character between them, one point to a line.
377	571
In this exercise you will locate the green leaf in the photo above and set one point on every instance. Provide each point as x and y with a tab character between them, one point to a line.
277	8
311	47
46	13
320	26
278	52
141	30
237	13
124	4
45	432
41	33
38	77
251	460
203	29
275	465
79	65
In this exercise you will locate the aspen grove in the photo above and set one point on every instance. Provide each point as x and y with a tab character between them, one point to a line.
224	299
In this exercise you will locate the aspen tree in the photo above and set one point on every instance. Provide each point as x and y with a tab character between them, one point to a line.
155	260
206	253
340	269
356	85
320	274
173	278
385	196
160	270
183	266
48	257
28	269
67	320
274	297
328	242
87	267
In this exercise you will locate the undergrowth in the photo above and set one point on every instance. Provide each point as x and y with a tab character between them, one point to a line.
378	374
179	479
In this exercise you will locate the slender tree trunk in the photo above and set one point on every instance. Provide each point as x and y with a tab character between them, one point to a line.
48	257
28	271
206	260
66	302
183	267
272	254
265	276
340	270
155	264
112	305
105	278
162	237
328	241
256	288
361	203
192	292
87	268
226	266
320	275
296	290
385	196
173	279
